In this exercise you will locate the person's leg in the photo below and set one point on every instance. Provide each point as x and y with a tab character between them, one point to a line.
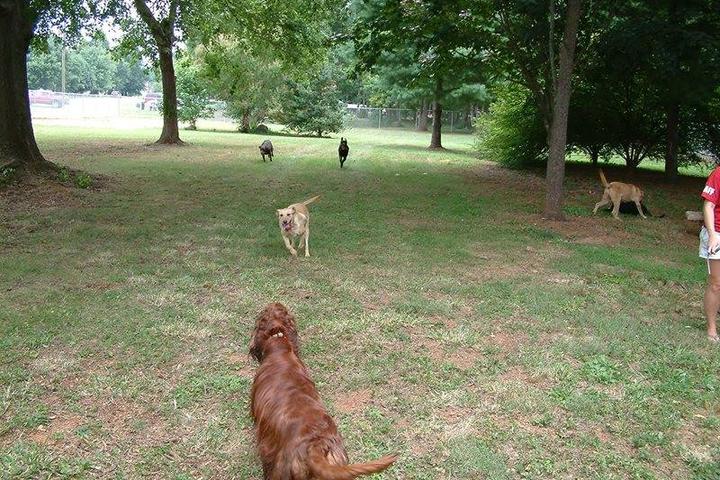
712	298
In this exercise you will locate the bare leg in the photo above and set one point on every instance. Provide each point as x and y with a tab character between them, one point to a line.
639	207
601	203
289	246
712	298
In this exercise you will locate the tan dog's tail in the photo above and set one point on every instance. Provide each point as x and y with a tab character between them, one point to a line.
602	178
310	200
323	470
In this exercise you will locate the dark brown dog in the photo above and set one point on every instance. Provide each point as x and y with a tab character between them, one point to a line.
266	148
343	151
297	439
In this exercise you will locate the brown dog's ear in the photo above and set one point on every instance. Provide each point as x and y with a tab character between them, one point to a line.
255	351
257	342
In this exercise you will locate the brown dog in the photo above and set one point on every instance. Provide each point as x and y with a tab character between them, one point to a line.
617	192
294	222
297	439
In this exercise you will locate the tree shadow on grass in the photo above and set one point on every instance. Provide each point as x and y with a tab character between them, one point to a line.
421	149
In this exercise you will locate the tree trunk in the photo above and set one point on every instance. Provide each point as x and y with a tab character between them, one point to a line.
170	132
436	139
163	32
594	154
18	148
245	126
673	140
422	117
557	137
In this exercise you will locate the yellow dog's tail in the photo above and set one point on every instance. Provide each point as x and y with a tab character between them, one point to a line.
310	200
602	178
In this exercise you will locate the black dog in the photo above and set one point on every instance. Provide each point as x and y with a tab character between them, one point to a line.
343	151
266	148
631	209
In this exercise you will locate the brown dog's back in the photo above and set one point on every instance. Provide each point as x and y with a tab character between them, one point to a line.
297	439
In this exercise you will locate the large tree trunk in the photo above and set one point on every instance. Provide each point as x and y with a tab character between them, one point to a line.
170	132
594	154
673	140
557	138
422	118
436	138
245	123
18	148
163	33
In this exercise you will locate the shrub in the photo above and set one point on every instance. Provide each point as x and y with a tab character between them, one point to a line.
63	175
83	180
512	133
314	106
7	175
193	98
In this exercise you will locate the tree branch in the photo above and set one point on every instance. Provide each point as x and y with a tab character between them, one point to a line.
541	97
153	24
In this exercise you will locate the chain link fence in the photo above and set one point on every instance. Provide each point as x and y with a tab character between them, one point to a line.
403	118
141	111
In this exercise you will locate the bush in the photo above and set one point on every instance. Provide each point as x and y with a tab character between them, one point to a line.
512	133
83	180
63	175
193	98
7	176
314	106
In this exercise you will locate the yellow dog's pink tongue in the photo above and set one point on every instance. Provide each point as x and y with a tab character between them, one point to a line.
287	226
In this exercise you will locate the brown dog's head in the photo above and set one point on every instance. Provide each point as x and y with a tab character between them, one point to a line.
274	320
285	218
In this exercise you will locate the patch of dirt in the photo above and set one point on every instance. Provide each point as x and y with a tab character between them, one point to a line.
36	194
102	286
457	422
60	430
377	301
491	175
464	358
455	414
508	341
353	401
125	419
587	230
692	439
518	374
433	348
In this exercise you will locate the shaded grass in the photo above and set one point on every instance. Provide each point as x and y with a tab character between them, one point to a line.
439	316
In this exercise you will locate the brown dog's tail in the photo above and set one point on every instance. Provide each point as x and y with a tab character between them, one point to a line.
603	180
323	470
310	200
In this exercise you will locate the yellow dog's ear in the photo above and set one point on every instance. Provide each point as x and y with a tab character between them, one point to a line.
293	209
277	212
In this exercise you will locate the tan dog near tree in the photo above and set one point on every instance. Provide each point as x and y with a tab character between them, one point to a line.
617	192
294	222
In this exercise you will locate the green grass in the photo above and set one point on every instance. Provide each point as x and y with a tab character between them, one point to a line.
440	317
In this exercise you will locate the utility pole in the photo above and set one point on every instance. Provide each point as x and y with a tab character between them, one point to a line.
62	58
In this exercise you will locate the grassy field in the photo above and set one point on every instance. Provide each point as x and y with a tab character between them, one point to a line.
440	316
